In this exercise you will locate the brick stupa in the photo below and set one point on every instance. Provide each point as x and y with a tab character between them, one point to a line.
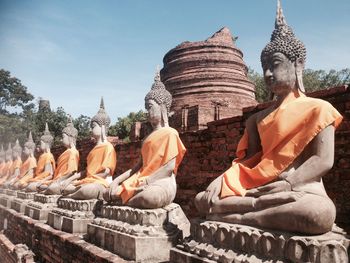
208	81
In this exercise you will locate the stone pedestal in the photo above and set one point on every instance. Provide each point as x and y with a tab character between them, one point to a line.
73	216
139	234
20	202
221	242
7	197
40	207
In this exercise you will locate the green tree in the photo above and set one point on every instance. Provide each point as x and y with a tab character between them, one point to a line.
261	92
123	126
12	93
82	124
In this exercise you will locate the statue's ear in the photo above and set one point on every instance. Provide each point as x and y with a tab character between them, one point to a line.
299	68
103	133
164	115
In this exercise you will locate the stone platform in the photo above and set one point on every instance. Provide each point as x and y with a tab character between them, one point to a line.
20	202
221	242
143	235
40	207
73	216
7	196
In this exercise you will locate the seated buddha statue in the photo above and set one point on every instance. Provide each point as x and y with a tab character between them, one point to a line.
46	162
286	149
101	163
16	164
151	183
27	169
2	161
67	163
8	164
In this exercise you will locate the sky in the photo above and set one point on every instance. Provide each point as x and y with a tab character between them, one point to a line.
74	52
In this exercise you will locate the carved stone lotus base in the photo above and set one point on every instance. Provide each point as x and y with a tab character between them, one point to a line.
6	200
40	207
20	202
11	192
221	242
72	216
143	235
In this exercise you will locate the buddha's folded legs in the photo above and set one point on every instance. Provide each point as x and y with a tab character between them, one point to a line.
32	187
53	189
85	191
308	214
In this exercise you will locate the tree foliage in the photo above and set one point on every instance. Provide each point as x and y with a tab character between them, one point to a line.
313	80
123	126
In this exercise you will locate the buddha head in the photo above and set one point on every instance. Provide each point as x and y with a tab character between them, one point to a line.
157	103
2	154
69	134
283	58
46	140
8	153
16	150
29	146
100	123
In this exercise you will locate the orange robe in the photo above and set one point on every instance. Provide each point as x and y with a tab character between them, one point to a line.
40	172
15	165
67	163
2	165
24	177
158	149
6	172
102	156
284	134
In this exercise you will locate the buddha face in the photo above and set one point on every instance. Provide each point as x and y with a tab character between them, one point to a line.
26	150
96	130
8	157
65	140
154	112
279	73
15	154
44	146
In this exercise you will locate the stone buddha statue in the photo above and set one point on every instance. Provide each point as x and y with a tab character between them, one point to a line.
286	149
27	169
67	163
46	162
101	163
16	164
8	164
2	160
151	183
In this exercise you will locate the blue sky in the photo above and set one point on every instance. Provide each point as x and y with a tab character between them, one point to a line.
72	52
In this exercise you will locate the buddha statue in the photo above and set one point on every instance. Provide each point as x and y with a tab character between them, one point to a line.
46	162
16	164
27	169
101	163
151	183
8	164
67	163
2	161
286	149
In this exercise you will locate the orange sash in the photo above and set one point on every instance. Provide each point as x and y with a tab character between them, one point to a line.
284	134
158	149
102	156
29	163
40	172
67	163
15	165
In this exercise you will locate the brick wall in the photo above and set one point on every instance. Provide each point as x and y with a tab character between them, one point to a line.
210	152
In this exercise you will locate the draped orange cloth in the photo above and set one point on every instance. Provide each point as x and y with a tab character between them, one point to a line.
24	177
67	163
40	172
100	158
158	149
2	165
284	134
15	165
6	172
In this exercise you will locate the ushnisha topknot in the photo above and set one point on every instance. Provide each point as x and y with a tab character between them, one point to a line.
17	148
101	117
70	130
158	93
30	143
283	40
47	137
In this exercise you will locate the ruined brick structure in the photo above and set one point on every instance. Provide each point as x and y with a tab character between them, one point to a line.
208	81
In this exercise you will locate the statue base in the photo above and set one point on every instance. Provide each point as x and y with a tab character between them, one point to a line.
142	235
20	202
73	216
6	199
221	242
41	206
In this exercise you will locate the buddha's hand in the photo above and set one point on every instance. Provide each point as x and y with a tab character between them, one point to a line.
275	187
211	194
110	193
